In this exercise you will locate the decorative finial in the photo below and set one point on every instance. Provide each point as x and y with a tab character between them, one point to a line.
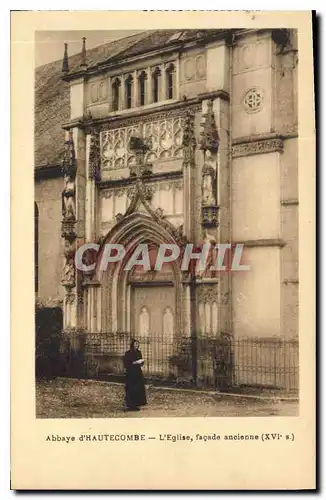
65	63
83	54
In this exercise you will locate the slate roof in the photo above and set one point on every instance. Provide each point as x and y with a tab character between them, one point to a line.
52	106
52	100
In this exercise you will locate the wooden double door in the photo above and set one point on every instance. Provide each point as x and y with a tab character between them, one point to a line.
153	323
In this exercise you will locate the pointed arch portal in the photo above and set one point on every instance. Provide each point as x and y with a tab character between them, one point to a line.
147	304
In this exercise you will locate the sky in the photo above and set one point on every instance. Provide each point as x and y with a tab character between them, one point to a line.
49	45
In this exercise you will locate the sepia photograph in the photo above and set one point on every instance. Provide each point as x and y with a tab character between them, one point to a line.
162	256
166	223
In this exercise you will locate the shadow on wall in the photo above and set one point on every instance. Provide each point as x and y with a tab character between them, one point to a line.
48	334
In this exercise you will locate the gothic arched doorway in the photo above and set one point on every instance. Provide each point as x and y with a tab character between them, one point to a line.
154	312
146	304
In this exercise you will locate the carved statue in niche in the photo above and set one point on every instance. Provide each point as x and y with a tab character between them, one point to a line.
210	138
69	266
209	143
168	324
144	322
68	195
209	180
69	172
210	240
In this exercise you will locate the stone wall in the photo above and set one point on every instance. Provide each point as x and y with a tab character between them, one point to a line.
50	252
264	186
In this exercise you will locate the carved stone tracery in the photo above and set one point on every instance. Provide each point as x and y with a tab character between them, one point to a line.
94	169
162	138
257	147
188	140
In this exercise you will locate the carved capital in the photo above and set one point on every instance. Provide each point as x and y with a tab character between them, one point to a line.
207	293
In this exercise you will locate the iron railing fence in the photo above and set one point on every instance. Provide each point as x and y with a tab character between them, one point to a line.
202	360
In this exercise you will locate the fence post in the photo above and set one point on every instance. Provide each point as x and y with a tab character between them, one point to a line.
275	363
193	314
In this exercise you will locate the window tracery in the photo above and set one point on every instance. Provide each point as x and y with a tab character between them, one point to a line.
129	88
115	94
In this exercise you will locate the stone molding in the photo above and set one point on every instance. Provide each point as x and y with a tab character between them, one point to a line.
267	242
290	201
150	179
257	147
117	121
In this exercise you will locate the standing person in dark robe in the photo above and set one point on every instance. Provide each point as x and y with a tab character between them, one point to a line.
135	385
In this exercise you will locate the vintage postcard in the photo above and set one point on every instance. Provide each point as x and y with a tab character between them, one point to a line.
163	171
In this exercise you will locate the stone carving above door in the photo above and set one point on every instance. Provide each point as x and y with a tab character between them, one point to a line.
115	150
165	136
164	198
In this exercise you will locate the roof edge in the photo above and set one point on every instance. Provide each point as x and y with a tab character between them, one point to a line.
169	46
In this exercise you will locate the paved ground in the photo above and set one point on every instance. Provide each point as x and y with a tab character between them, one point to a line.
69	398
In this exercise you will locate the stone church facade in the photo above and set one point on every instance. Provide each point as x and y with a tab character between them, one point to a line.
171	137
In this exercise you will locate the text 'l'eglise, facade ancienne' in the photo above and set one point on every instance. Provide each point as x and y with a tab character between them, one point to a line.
168	137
